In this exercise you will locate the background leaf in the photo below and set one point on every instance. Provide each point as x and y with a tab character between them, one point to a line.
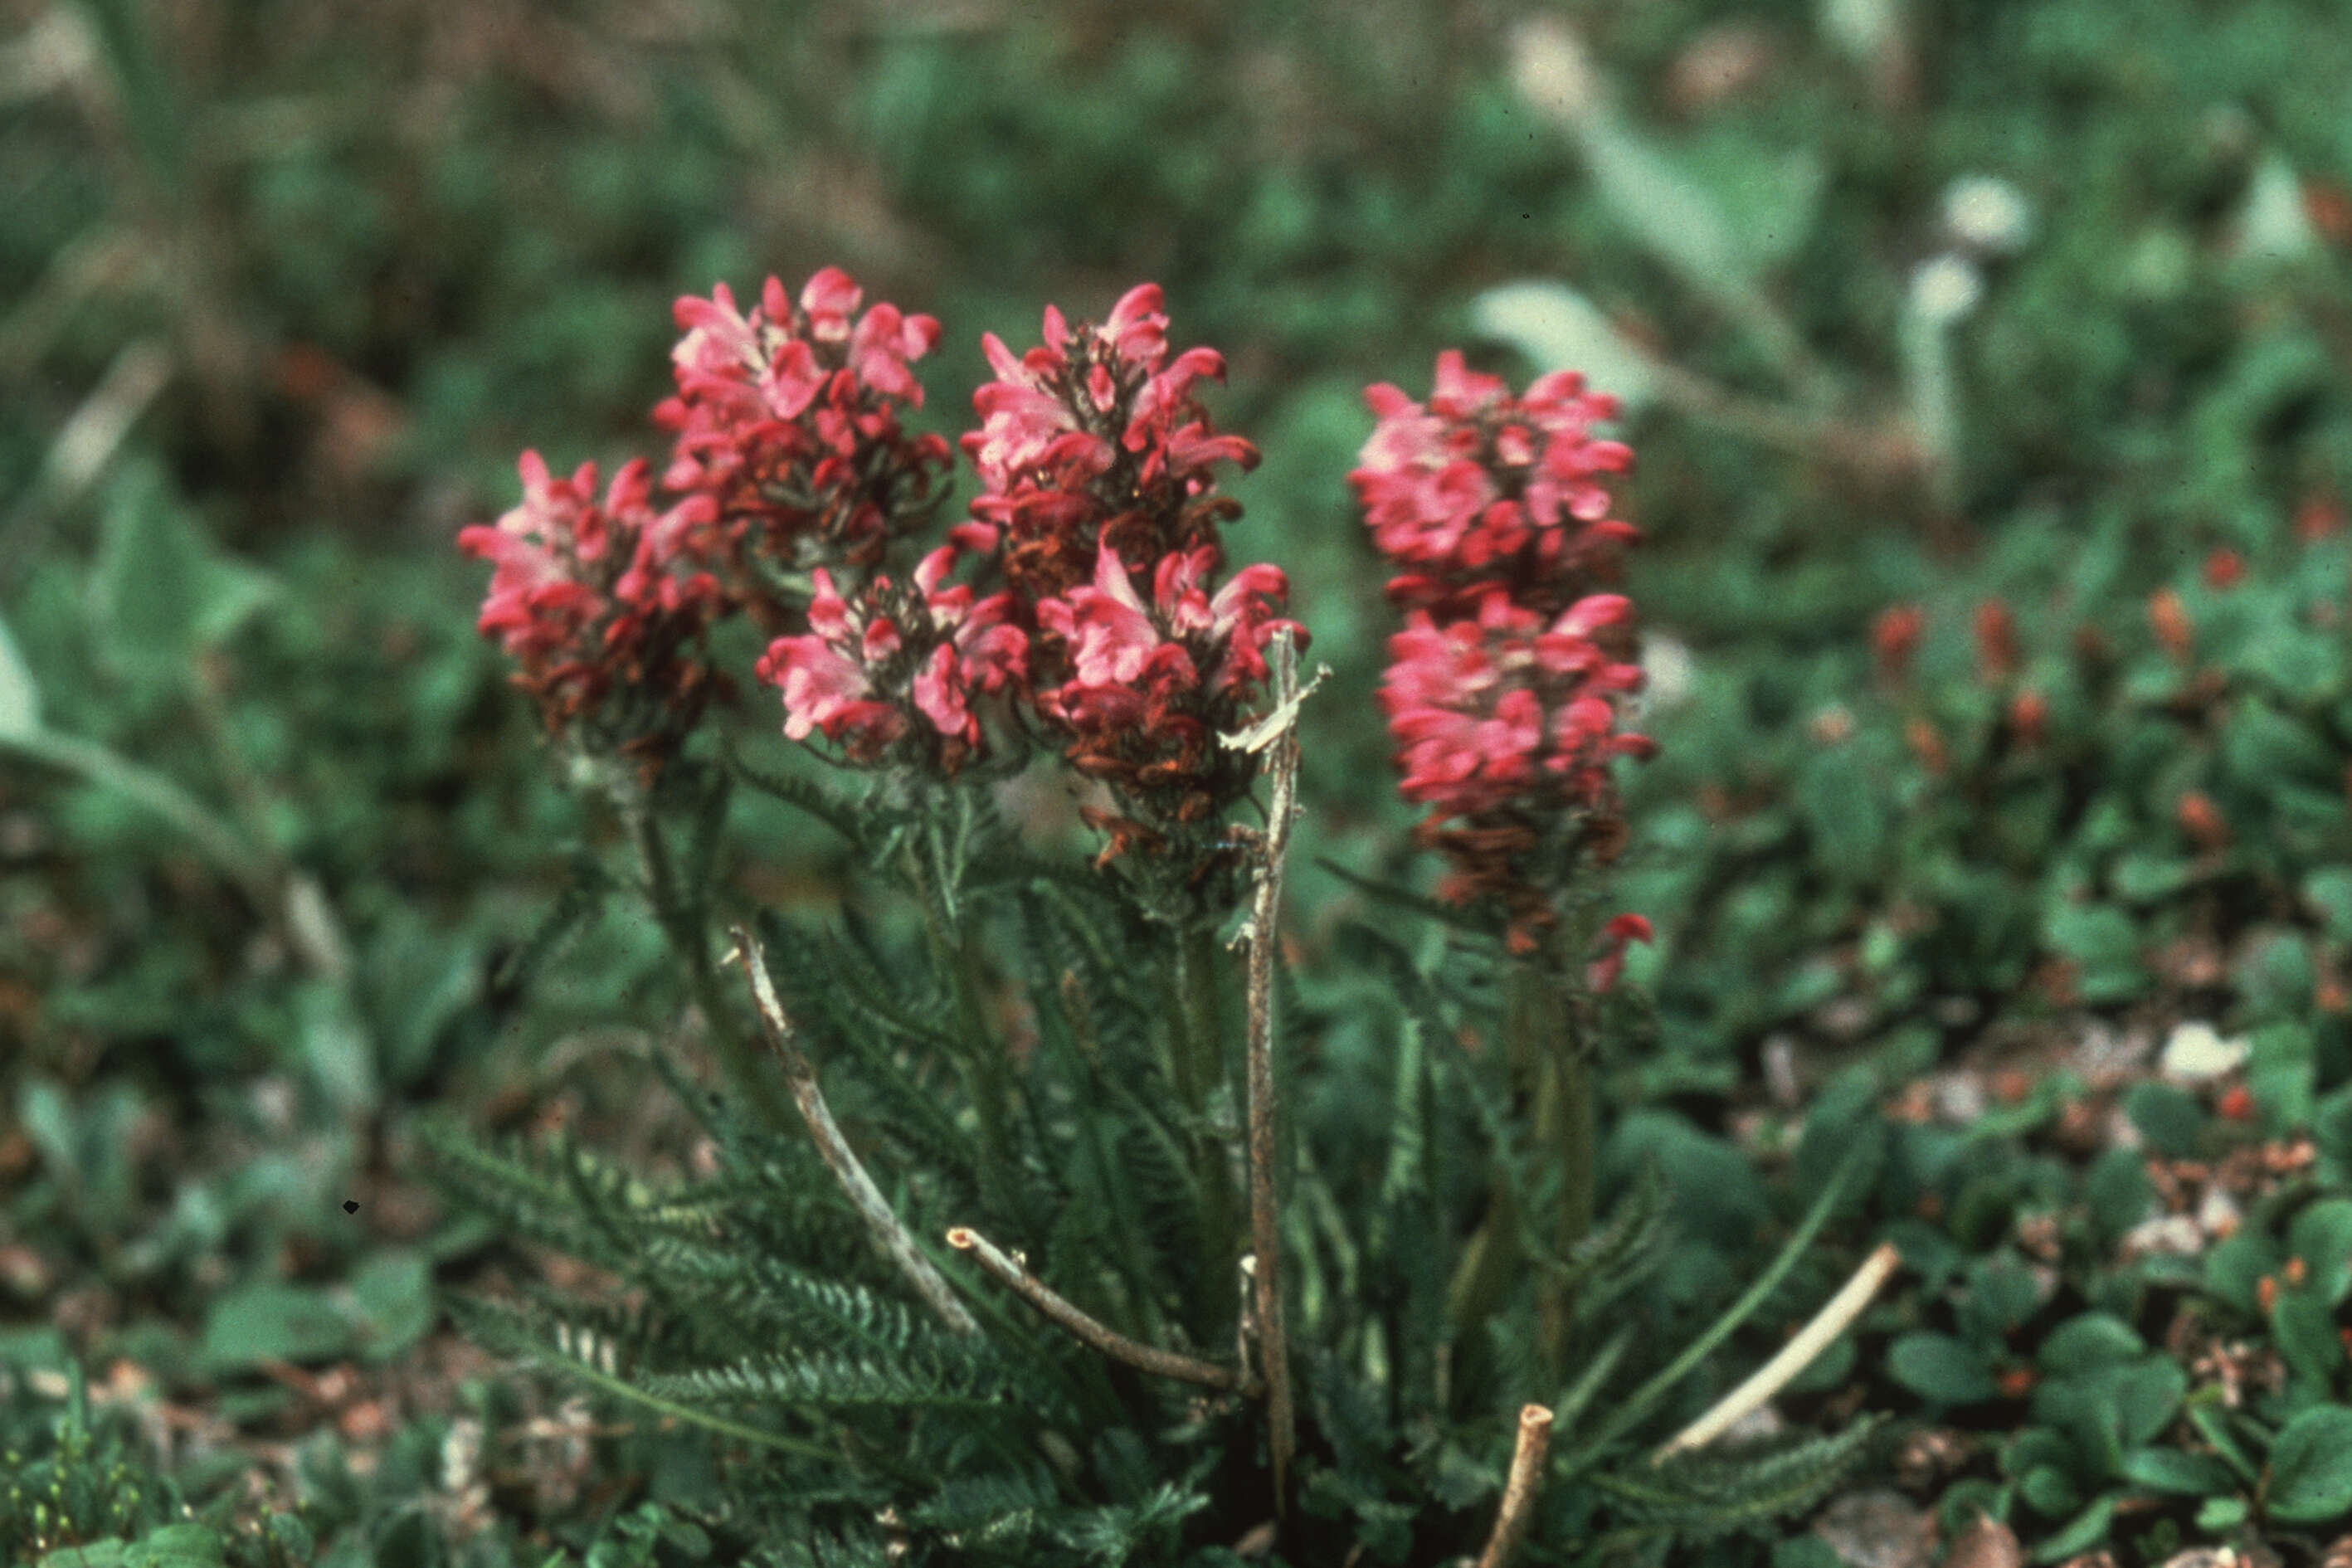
2310	1478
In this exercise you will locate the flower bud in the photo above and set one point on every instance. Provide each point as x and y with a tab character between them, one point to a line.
1895	637
2203	821
1996	631
2028	712
2223	568
2168	617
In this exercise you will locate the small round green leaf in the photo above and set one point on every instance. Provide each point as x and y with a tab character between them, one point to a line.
1939	1367
2310	1477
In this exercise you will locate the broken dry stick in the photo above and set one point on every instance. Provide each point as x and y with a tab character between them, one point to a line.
1118	1346
1519	1490
1280	731
864	1195
1828	1323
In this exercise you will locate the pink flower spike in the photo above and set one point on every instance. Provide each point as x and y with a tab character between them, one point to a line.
593	596
789	420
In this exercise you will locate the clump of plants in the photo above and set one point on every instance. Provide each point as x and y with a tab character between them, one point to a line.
1041	1220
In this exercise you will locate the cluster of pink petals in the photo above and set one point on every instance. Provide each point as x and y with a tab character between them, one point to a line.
899	663
787	417
1479	482
1098	429
1490	710
1098	462
1502	689
600	602
1136	664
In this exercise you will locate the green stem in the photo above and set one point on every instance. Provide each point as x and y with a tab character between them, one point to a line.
984	1058
1200	1069
681	923
1542	1020
1196	987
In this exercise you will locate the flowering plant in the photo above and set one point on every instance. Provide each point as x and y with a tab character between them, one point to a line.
1070	1096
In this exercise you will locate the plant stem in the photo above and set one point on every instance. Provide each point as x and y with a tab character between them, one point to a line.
864	1195
681	923
1199	1064
1542	1018
1201	1055
1118	1347
983	1059
1834	1318
1265	1217
1520	1492
1631	1408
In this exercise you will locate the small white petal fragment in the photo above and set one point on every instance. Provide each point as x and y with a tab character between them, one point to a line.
1669	674
2196	1053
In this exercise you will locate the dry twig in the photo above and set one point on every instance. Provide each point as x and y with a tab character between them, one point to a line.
1769	1378
1519	1490
1281	732
1116	1345
864	1195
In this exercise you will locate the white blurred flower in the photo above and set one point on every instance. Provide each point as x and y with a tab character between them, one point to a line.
2273	224
2195	1052
1668	671
1988	213
1552	70
1945	289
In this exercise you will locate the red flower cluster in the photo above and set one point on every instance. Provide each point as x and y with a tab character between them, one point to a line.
603	605
787	451
1099	509
1501	689
1096	433
788	419
1481	486
901	664
1481	710
1097	461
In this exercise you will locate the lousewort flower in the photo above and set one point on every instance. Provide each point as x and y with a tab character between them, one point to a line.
605	605
1480	485
1098	463
1503	690
894	671
787	417
1096	434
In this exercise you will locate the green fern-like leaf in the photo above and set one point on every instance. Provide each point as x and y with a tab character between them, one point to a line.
1626	1249
604	1350
999	1510
525	1189
1697	1497
1112	1536
574	908
835	810
835	1381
